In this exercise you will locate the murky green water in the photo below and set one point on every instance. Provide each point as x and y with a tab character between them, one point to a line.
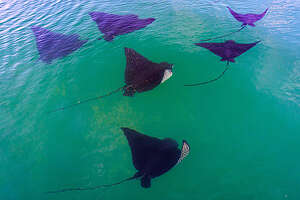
244	130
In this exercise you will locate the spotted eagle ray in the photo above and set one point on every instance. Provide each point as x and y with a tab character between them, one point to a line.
246	19
141	75
112	25
227	51
151	157
53	45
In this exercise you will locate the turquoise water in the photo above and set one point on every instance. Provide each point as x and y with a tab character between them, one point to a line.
244	130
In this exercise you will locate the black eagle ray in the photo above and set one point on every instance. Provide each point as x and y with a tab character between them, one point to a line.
151	157
141	75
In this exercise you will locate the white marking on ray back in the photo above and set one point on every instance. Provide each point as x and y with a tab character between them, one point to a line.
167	74
185	150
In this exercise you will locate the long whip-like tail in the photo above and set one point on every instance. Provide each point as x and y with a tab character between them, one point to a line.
90	188
212	80
243	26
87	100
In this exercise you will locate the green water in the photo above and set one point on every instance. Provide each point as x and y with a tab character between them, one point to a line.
244	130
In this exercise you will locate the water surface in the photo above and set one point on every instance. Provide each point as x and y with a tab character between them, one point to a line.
244	130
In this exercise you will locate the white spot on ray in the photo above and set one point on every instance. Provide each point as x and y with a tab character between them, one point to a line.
168	73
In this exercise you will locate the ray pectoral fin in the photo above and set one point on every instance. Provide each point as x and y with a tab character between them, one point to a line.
252	24
236	15
263	14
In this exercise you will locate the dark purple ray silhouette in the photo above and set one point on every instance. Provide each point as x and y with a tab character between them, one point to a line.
53	45
227	51
247	19
141	75
112	25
